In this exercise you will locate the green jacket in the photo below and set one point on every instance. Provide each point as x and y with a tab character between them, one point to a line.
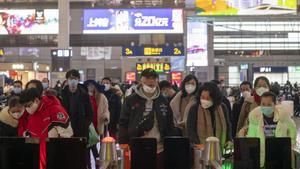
286	127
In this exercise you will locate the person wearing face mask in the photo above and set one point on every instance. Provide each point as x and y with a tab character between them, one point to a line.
146	113
9	117
101	112
183	101
76	101
261	85
245	91
167	90
45	83
47	118
16	90
269	120
209	117
114	104
18	86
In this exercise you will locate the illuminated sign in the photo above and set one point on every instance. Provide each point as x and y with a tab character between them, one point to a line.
132	21
158	67
61	52
28	21
130	77
152	51
18	66
270	69
245	7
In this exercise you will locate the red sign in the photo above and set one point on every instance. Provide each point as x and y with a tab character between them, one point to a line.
130	77
176	78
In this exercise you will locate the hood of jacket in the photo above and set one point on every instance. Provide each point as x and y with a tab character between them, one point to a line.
6	118
48	101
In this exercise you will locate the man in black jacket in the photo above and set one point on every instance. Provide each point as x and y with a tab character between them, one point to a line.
114	105
245	90
146	113
76	101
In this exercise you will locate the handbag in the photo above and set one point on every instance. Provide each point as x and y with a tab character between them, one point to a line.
93	136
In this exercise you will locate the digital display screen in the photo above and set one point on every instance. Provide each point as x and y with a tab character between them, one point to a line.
132	21
196	44
153	51
29	21
158	67
245	7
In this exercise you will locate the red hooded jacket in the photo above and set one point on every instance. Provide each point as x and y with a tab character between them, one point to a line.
50	120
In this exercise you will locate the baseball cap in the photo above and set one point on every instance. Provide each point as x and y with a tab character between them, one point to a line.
149	73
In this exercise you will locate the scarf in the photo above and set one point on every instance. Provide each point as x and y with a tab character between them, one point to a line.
257	98
175	106
205	127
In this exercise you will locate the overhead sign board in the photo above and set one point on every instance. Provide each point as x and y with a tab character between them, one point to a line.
152	51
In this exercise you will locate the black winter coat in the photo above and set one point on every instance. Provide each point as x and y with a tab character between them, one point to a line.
82	117
131	120
7	130
114	102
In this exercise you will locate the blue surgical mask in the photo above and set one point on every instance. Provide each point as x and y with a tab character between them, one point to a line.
73	82
45	85
267	111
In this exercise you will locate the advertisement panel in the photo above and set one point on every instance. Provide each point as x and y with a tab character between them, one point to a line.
176	78
130	77
28	21
245	7
152	51
132	21
196	44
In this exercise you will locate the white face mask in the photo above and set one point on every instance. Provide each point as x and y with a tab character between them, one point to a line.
17	90
16	115
206	104
148	89
32	109
246	94
107	87
260	91
190	88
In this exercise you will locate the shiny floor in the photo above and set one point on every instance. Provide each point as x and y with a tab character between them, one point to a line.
297	121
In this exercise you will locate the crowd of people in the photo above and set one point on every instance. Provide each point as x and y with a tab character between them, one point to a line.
149	108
